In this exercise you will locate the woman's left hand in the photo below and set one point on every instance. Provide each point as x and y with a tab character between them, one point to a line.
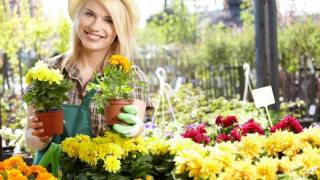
129	116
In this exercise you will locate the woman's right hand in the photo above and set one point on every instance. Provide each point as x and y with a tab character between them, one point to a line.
37	128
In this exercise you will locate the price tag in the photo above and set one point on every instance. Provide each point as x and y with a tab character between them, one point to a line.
263	96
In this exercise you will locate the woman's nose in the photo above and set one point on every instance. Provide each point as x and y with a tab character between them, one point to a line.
94	25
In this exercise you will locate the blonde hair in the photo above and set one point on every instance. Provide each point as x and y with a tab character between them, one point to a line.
125	19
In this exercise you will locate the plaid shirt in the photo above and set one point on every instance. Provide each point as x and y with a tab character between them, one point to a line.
78	93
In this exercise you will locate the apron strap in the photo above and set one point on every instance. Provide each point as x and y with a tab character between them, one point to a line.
88	97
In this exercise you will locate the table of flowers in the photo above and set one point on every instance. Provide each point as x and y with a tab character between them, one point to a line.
234	151
246	151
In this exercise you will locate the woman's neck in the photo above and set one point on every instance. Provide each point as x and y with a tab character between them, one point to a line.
91	59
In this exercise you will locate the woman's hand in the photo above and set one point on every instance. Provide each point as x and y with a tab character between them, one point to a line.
135	125
37	128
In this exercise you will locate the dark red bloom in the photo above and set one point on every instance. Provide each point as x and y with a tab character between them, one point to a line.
288	123
235	134
201	128
251	127
229	121
222	137
219	120
197	134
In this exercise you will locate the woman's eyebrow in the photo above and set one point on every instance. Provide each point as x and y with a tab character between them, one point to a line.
87	9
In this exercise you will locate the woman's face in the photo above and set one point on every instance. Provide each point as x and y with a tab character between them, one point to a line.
96	30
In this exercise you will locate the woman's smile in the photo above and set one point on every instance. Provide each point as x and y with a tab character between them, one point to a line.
91	36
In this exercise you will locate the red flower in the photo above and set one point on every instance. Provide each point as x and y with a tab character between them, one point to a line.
251	127
235	134
197	134
219	120
288	123
229	121
222	137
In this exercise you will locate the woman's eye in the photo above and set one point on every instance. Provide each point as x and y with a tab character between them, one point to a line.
109	21
88	14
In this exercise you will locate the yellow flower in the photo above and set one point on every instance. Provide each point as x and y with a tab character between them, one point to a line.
267	168
88	153
157	146
282	142
41	72
112	164
310	137
210	168
251	145
71	147
284	165
243	170
121	61
310	158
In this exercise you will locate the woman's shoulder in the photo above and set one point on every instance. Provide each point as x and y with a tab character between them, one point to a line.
55	62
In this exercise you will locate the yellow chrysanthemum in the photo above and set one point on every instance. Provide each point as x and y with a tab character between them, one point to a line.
251	145
112	164
157	146
267	168
310	158
210	168
284	165
240	170
88	153
71	147
310	137
41	72
121	61
114	149
282	142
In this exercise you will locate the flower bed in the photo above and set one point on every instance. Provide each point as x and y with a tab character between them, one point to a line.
274	154
15	168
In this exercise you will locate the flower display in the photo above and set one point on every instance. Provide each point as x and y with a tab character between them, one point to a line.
280	154
15	168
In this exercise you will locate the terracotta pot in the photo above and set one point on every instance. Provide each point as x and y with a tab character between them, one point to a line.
115	106
52	121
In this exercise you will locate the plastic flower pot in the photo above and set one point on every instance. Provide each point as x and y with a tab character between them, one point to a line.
52	121
114	107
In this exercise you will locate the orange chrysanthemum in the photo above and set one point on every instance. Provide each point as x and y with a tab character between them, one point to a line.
121	61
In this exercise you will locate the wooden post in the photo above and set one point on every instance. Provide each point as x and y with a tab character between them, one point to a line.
261	51
272	47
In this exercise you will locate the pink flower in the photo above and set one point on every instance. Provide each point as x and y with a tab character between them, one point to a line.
288	123
251	127
222	137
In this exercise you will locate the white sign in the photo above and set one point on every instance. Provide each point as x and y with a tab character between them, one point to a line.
263	96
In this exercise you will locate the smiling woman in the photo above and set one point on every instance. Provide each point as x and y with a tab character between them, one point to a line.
101	29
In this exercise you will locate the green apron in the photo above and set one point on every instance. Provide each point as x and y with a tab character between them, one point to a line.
76	121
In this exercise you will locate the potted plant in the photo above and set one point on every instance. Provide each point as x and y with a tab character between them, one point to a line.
47	89
115	85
